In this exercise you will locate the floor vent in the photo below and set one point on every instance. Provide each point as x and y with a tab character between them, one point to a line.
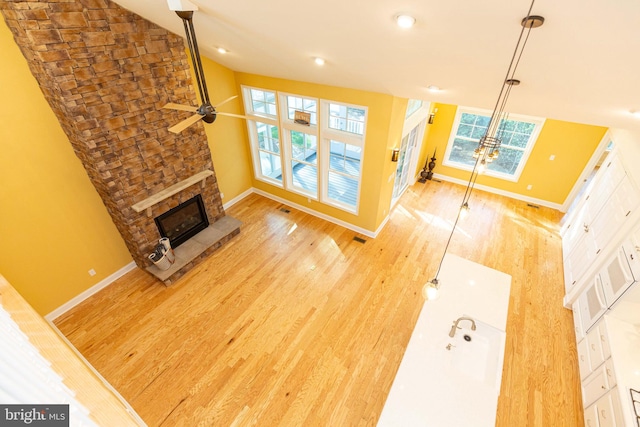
533	206
359	239
285	210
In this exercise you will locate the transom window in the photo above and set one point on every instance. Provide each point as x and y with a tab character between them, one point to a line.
518	134
321	160
347	119
412	106
263	102
295	103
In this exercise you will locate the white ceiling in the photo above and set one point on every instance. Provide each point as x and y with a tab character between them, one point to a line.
582	65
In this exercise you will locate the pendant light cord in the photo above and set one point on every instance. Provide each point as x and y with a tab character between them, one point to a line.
492	127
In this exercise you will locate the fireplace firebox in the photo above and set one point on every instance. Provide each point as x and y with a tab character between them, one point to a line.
183	222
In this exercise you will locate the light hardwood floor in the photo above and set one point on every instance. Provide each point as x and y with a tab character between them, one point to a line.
293	323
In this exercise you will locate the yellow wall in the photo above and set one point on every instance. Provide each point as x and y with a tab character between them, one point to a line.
551	181
53	225
384	126
425	155
227	136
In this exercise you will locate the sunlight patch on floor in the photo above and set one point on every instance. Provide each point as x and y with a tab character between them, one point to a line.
292	229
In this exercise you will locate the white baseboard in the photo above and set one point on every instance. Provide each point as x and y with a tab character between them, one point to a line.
320	215
237	199
516	196
86	294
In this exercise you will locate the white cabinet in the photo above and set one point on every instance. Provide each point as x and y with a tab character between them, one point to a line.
604	211
579	260
583	359
617	275
591	304
605	412
596	355
609	368
614	213
594	386
609	176
607	286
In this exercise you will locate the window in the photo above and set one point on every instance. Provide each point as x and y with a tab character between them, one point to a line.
321	160
269	148
306	105
344	172
518	134
263	103
346	119
263	130
342	130
412	106
304	162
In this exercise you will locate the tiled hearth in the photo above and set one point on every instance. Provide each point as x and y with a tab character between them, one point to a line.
200	245
106	73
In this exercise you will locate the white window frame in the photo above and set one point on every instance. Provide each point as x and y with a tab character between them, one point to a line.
286	126
350	138
537	121
253	135
323	135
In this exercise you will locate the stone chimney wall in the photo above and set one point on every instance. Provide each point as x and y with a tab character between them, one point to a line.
106	72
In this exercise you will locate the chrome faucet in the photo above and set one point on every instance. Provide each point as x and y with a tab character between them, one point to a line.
455	325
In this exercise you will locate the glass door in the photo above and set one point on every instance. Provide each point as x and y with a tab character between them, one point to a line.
406	161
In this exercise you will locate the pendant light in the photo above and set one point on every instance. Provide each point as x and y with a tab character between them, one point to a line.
488	145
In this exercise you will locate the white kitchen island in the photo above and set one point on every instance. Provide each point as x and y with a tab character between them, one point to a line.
449	382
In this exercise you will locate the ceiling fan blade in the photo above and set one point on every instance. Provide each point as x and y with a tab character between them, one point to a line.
180	107
185	123
225	101
232	115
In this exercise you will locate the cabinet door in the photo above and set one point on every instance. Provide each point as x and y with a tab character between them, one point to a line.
574	231
609	373
605	183
604	340
632	252
583	359
580	259
591	416
592	305
616	277
594	386
577	324
608	407
614	214
596	358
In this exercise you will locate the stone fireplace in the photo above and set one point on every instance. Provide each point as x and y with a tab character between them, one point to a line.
106	73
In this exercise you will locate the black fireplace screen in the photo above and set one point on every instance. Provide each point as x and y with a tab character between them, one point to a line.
183	222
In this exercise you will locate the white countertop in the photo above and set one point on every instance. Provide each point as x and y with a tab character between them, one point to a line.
426	391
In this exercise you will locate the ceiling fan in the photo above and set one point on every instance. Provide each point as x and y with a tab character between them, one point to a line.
205	112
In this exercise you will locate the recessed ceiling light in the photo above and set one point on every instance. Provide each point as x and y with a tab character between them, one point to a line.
319	61
405	21
433	88
636	113
222	50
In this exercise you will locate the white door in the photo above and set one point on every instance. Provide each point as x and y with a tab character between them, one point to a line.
406	160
